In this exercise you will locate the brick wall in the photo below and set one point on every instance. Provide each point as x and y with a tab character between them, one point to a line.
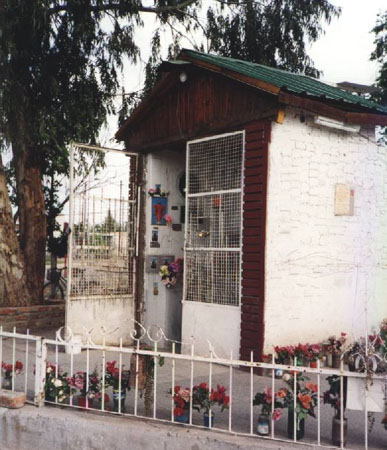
254	220
32	317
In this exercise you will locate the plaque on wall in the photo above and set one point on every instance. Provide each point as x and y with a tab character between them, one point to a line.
344	200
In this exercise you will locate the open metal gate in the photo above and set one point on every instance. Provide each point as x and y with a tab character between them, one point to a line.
103	223
213	233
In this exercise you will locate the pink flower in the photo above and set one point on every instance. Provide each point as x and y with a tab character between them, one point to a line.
277	414
168	219
268	395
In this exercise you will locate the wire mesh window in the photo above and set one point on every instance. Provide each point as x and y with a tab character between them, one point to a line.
103	231
213	228
216	164
214	221
213	277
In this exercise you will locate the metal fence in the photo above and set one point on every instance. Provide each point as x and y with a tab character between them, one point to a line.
155	374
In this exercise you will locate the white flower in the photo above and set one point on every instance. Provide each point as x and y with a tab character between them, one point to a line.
60	392
286	377
57	383
49	369
62	398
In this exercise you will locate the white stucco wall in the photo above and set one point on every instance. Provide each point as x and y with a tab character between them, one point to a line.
164	309
323	271
109	318
218	324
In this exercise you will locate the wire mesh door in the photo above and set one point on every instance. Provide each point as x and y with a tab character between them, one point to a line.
213	219
103	222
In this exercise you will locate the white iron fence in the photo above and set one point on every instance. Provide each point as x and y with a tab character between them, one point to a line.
48	371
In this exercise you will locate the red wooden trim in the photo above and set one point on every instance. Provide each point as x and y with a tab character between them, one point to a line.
258	136
375	118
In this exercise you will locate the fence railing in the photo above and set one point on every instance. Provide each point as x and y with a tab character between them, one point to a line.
54	370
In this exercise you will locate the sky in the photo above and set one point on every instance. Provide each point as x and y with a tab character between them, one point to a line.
342	52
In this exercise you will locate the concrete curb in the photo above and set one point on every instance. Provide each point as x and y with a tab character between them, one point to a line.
51	428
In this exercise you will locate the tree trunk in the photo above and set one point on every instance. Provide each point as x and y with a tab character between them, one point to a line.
32	221
13	286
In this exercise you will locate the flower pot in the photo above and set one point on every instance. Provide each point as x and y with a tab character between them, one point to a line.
336	360
313	364
278	373
82	403
207	421
7	383
336	432
184	418
300	426
117	400
263	425
300	362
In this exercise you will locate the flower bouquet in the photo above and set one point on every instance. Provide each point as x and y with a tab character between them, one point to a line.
284	354
265	399
181	400
8	371
57	385
88	391
204	399
335	347
314	353
170	273
119	381
306	401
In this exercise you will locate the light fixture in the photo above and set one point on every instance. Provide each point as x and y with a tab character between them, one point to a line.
183	77
331	123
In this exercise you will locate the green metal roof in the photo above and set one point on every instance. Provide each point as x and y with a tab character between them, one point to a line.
290	82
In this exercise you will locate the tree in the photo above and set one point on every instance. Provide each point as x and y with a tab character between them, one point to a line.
59	66
380	55
272	32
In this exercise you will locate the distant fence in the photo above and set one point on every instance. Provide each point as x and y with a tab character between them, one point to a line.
143	381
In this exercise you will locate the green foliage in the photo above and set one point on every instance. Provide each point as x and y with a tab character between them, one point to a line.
380	55
271	32
60	63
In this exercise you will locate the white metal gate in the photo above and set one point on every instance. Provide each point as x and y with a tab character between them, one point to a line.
103	222
213	232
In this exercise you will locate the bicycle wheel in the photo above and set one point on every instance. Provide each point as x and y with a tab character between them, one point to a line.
52	293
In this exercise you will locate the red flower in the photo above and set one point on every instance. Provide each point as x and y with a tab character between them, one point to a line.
177	389
110	367
178	412
282	393
311	387
203	385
